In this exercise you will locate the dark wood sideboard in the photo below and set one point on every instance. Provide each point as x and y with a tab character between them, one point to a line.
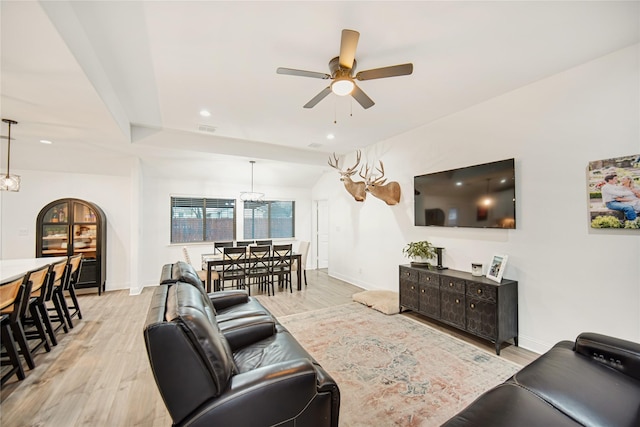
473	304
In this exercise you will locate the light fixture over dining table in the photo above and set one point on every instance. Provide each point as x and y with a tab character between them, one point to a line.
251	196
9	182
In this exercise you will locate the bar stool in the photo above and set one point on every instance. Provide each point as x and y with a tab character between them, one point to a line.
34	323
15	313
73	272
57	276
11	293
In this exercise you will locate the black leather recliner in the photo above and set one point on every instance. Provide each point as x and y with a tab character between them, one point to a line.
592	382
251	372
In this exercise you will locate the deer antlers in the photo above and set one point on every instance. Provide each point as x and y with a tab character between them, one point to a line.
371	180
356	189
350	171
389	193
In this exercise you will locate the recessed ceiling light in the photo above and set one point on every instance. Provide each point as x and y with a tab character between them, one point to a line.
458	183
331	136
205	113
46	141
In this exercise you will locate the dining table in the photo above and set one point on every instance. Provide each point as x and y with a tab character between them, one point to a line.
13	268
210	261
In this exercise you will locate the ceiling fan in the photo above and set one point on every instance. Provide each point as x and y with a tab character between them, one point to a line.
342	69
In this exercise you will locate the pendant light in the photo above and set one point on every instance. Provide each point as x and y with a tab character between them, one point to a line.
9	182
251	196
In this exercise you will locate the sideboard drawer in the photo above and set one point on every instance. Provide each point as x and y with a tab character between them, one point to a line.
429	279
452	284
481	291
408	274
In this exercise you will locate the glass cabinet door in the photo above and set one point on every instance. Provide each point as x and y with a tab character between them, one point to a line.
56	214
84	240
54	239
83	213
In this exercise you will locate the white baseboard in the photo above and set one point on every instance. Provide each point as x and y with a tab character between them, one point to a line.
138	290
135	291
352	281
533	345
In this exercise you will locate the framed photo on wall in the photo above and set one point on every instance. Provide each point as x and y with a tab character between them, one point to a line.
496	267
614	192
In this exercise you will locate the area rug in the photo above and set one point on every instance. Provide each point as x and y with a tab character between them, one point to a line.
393	370
387	302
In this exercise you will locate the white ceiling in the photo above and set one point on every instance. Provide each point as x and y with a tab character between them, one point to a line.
108	80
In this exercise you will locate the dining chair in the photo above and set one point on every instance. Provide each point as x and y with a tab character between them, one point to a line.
58	274
303	250
32	317
264	242
281	265
202	274
244	243
234	266
259	268
219	246
74	266
11	293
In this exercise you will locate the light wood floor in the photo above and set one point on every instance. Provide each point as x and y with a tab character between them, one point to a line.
99	374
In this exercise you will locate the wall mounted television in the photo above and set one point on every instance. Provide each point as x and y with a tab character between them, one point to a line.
480	196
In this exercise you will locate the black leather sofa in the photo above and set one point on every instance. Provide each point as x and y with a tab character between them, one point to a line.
222	359
592	382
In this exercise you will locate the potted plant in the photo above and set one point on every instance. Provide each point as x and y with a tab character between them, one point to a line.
420	252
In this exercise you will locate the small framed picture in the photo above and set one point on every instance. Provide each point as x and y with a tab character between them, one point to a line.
496	267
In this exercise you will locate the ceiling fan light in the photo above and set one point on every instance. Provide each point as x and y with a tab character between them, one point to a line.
342	87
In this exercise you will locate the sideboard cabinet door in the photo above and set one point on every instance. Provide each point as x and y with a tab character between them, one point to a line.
409	293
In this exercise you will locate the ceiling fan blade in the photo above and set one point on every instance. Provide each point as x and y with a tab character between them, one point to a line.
348	45
319	97
303	73
362	97
380	73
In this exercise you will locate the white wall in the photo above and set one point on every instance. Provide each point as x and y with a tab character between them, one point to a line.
112	193
571	278
155	247
137	209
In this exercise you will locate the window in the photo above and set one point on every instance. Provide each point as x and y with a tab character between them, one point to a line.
202	220
269	220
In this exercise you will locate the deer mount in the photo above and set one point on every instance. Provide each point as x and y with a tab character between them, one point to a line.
356	189
373	184
388	193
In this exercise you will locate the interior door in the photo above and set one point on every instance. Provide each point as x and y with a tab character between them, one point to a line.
322	233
